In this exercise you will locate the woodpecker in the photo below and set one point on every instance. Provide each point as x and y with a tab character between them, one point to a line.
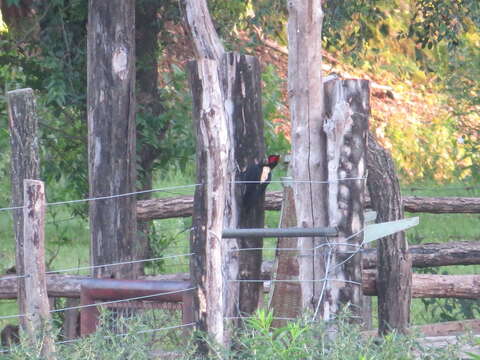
257	177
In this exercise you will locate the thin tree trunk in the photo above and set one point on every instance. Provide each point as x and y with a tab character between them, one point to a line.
149	105
394	282
111	134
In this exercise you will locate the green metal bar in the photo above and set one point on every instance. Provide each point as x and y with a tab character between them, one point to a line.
278	232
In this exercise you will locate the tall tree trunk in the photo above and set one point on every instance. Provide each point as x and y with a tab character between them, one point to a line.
305	89
111	134
147	29
394	263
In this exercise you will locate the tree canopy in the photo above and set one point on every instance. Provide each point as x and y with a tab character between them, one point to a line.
426	52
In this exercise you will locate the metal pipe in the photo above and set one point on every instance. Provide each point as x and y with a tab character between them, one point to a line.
286	232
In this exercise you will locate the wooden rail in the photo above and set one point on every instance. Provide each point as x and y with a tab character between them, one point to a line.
182	206
424	285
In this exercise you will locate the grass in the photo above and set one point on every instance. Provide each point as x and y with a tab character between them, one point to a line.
257	339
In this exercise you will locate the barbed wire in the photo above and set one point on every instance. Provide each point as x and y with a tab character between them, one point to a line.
166	189
173	256
120	263
122	195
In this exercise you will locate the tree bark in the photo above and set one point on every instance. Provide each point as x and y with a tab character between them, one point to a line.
25	164
37	309
305	89
149	107
393	259
111	134
242	89
434	254
347	109
209	268
182	206
431	286
207	44
442	205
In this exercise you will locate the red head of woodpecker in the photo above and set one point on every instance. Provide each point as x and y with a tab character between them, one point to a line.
257	177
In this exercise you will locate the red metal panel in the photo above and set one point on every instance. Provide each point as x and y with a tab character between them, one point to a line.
93	290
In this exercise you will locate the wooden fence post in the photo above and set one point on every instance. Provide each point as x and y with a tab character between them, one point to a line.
210	270
111	135
285	301
37	309
305	91
25	164
347	109
394	263
242	89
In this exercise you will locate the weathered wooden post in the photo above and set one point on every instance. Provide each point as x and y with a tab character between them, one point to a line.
111	134
285	301
25	164
347	109
239	89
37	309
242	89
305	89
394	263
209	272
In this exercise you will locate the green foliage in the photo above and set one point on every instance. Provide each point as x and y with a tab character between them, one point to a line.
437	20
303	339
178	146
349	25
273	109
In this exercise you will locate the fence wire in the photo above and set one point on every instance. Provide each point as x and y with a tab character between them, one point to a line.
167	189
103	303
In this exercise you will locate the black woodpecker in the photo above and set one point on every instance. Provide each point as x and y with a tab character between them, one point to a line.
257	177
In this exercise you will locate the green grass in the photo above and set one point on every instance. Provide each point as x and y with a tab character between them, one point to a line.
257	339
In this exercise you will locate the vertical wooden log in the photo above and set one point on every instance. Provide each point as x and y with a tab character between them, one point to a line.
71	323
347	109
37	309
242	91
394	263
111	134
25	164
305	91
209	269
285	301
207	44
